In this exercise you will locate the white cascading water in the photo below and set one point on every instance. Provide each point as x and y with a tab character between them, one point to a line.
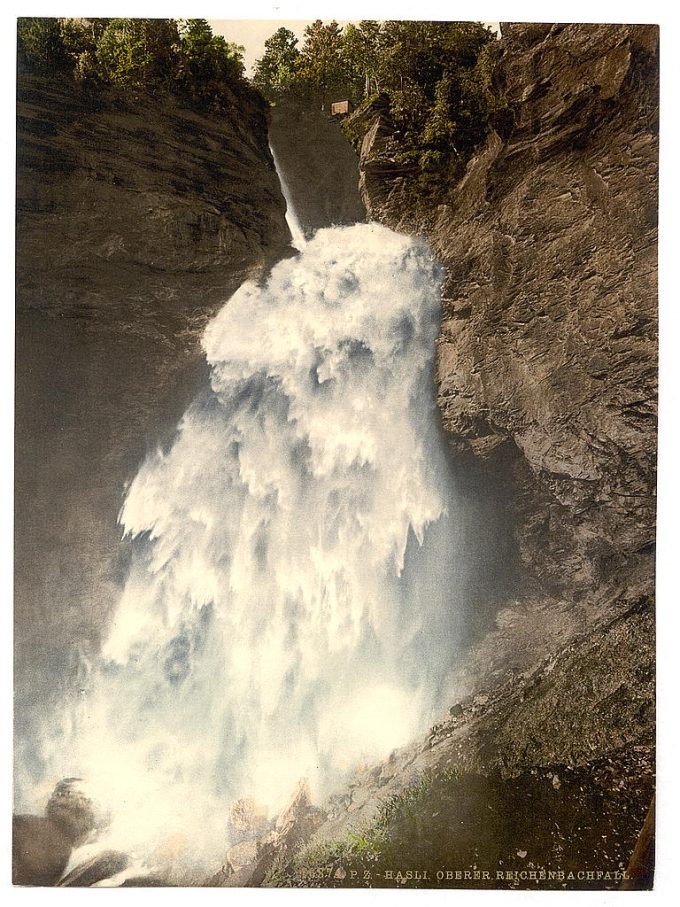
297	234
291	606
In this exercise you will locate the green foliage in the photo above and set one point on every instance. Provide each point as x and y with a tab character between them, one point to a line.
276	70
211	59
136	52
320	71
438	96
40	44
150	54
360	56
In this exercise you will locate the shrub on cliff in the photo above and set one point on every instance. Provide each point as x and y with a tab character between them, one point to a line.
432	78
313	74
137	52
208	61
39	44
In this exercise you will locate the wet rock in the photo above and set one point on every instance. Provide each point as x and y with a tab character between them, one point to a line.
565	765
102	866
113	183
299	820
150	881
40	851
321	167
247	818
71	810
42	845
136	219
295	825
241	854
546	370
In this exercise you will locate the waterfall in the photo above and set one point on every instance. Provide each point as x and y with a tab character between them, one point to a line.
291	604
297	233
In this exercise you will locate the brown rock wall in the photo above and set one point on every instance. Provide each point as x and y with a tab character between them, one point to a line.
549	323
107	185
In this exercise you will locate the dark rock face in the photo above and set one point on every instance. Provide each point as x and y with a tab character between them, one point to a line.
548	339
42	845
40	851
382	175
104	865
71	810
551	770
144	183
319	165
250	861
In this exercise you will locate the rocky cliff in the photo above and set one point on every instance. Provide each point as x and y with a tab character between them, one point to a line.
546	383
320	165
142	184
547	352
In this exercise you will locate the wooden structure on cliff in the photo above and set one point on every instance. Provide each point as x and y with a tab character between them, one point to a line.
341	108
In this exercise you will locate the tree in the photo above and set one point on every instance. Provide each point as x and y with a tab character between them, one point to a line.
211	58
163	45
81	35
360	54
80	38
436	92
433	77
458	118
136	52
147	54
39	43
320	69
276	69
421	52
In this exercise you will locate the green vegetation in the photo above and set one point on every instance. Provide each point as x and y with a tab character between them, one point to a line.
277	71
182	56
410	829
431	79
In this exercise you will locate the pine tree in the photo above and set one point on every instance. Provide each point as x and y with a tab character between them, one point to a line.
321	69
276	69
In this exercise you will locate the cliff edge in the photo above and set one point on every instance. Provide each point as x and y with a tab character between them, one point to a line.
137	218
